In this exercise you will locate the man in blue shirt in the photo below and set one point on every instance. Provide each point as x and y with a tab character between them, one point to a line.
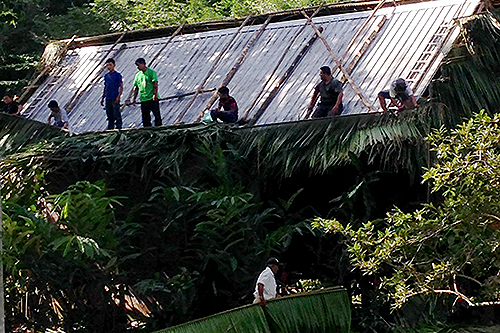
113	88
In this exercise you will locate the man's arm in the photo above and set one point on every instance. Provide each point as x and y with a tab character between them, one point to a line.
311	104
260	292
48	120
103	94
338	103
120	92
155	89
414	100
134	95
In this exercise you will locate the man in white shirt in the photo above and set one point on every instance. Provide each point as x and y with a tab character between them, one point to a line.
265	288
400	94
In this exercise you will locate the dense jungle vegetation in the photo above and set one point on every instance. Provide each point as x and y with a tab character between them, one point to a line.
137	230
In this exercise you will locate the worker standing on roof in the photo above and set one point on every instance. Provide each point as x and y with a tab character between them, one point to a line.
265	288
113	88
400	94
330	92
227	111
146	82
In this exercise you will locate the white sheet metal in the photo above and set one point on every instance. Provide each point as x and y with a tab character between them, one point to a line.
184	63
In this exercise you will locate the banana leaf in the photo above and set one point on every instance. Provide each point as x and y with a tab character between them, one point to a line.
317	312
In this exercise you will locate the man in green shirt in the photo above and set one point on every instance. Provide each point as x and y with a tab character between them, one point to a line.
146	82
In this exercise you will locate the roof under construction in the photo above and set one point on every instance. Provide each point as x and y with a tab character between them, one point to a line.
270	67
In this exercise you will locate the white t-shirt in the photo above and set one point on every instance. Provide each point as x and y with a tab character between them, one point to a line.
266	277
393	93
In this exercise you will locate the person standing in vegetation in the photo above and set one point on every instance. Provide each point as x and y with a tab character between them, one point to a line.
226	102
113	89
265	288
400	94
330	92
10	107
60	117
146	82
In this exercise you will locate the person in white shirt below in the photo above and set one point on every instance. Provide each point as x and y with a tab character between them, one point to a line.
265	288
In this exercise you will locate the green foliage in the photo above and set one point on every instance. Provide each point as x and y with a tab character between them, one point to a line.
449	247
59	253
221	237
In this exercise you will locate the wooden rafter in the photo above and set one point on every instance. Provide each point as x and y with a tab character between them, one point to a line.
339	65
285	52
237	65
81	90
47	69
212	69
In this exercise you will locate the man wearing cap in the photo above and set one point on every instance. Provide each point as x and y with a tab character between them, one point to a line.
265	288
60	117
400	94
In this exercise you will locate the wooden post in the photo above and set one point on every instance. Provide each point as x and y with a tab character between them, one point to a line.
245	115
283	79
176	32
339	65
212	69
46	69
80	92
236	66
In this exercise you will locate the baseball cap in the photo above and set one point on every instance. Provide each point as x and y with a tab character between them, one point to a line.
273	261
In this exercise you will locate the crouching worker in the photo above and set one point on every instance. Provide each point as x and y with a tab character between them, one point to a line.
265	288
60	117
226	102
400	94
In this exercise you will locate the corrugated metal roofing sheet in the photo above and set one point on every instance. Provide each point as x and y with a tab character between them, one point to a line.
409	39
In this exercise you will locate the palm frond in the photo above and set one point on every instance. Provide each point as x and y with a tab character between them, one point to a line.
17	133
324	311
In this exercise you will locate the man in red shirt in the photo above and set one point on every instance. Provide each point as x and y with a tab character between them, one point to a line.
229	114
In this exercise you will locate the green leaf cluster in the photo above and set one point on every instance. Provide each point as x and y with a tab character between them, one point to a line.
449	246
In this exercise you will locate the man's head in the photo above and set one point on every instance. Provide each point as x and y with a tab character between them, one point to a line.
141	64
400	85
110	64
53	106
8	98
273	263
223	91
325	73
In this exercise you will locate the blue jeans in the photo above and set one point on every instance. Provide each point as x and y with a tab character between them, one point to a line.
113	113
224	116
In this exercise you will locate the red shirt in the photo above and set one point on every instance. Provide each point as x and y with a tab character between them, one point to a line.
228	104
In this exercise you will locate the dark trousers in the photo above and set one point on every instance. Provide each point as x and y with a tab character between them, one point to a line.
326	111
148	107
113	113
224	116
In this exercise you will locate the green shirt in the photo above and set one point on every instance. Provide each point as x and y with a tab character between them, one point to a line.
145	82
